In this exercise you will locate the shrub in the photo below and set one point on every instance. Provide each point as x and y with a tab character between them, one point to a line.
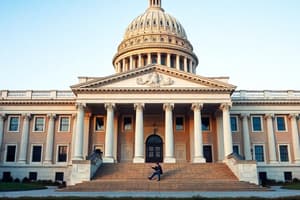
26	180
17	180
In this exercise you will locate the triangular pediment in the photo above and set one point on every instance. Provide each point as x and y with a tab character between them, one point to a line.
153	77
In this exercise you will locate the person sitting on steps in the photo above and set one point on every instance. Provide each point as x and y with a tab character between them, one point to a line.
157	172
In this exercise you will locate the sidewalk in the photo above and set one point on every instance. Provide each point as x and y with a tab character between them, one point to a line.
277	192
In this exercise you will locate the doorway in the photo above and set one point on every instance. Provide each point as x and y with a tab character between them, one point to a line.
207	153
154	149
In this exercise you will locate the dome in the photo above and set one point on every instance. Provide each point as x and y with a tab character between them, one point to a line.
155	37
155	20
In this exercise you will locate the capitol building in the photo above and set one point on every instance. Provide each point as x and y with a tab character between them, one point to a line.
154	108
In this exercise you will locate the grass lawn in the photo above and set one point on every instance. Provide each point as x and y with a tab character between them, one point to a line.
293	186
19	186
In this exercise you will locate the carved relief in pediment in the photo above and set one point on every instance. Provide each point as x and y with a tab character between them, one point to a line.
155	80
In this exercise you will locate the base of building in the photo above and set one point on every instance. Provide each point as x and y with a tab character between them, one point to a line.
108	160
199	160
138	160
169	160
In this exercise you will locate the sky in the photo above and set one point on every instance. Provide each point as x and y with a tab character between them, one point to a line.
47	44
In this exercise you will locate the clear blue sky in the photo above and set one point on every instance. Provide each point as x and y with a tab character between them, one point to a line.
47	44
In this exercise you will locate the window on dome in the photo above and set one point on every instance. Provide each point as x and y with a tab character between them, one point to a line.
163	59
154	22
154	59
161	22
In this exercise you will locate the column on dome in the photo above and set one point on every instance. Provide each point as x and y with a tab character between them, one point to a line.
169	60
295	137
185	64
124	65
149	58
109	134
131	62
169	134
24	139
2	118
178	62
79	133
271	138
140	60
246	137
159	58
227	129
191	66
139	134
198	143
50	139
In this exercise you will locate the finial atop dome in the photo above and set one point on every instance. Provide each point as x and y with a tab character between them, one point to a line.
154	3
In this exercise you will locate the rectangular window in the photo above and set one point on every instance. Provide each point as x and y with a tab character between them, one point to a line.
33	176
62	153
39	124
64	124
99	124
284	153
259	153
288	177
179	123
14	123
59	176
11	153
256	123
127	123
36	153
205	123
280	123
234	123
236	149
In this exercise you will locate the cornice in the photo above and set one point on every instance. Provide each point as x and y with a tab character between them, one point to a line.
32	102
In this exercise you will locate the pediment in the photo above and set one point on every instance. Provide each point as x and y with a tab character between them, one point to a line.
153	77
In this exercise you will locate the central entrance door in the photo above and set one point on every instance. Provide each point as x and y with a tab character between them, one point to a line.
154	149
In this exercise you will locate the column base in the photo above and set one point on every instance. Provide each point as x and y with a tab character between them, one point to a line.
22	162
108	160
169	160
297	161
274	162
47	162
139	160
199	160
77	158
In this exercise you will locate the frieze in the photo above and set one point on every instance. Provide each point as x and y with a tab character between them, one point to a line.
155	80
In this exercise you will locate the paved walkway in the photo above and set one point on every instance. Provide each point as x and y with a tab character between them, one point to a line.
276	192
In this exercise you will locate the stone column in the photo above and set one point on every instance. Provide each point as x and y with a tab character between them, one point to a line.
271	138
246	137
79	134
226	129
191	66
140	60
295	137
139	134
130	62
109	134
169	60
159	58
169	135
50	139
2	118
24	139
149	58
178	62
185	64
198	144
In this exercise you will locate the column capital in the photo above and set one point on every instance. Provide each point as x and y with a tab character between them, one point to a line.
2	116
168	106
80	105
139	106
245	115
225	106
109	106
51	116
293	116
26	116
269	116
197	106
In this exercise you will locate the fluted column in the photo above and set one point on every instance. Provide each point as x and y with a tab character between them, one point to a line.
178	62
139	134
169	134
24	139
140	60
198	143
246	137
109	135
271	138
295	137
50	139
2	118
185	64
169	60
226	129
79	134
149	58
159	58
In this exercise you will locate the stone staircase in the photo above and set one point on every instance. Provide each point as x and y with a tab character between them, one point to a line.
176	177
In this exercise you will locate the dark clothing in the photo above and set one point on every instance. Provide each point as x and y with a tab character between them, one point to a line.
157	172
